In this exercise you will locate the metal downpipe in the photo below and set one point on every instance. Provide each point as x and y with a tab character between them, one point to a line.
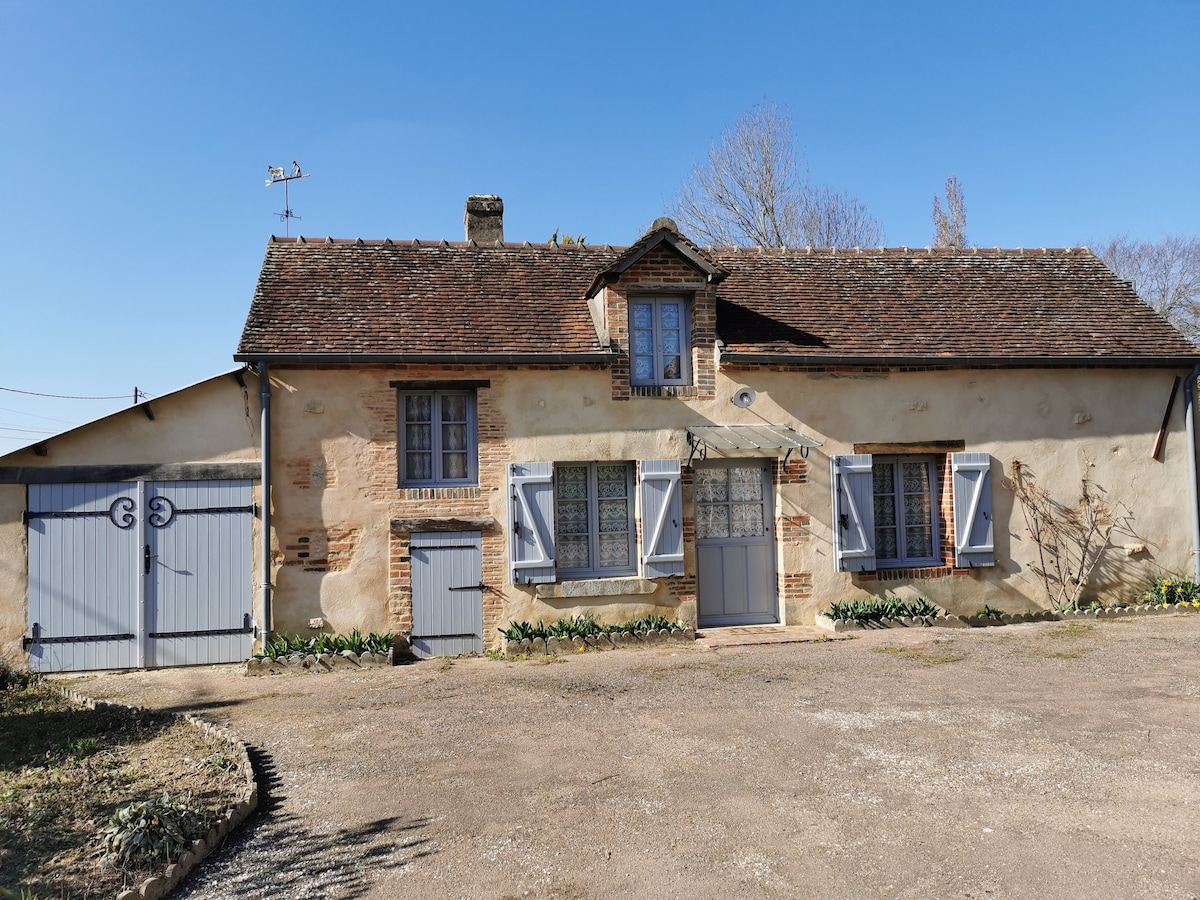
265	428
1189	395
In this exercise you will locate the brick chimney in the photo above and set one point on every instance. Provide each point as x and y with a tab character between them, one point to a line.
484	218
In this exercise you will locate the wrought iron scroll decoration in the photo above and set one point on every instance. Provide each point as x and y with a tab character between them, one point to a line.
163	511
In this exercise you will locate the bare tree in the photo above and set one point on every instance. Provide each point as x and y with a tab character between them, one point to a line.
754	189
949	225
1165	274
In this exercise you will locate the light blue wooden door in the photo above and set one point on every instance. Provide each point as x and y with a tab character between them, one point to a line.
447	588
135	574
83	583
735	544
197	568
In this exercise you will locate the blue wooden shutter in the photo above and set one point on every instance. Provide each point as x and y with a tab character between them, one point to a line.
531	522
853	513
973	534
662	517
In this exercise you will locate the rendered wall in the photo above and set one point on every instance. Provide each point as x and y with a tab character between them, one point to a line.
214	421
336	478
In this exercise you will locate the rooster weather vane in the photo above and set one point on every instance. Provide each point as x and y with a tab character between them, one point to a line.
279	176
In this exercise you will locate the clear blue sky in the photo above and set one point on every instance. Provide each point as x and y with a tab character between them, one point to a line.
135	138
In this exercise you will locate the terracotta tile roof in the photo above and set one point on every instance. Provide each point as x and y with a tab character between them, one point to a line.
331	299
936	303
427	297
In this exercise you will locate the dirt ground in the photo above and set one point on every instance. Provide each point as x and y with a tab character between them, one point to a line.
1040	760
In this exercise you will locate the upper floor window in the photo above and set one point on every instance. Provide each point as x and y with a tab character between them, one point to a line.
660	341
438	443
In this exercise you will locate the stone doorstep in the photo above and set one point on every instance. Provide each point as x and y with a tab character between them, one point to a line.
838	626
159	886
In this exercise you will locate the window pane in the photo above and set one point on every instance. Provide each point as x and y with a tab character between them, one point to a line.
571	517
571	482
643	368
418	408
573	552
746	520
885	511
643	315
643	342
670	315
745	483
612	481
712	521
418	466
454	466
916	477
614	516
711	485
670	342
885	544
916	510
614	550
883	476
454	407
418	437
918	542
454	437
672	369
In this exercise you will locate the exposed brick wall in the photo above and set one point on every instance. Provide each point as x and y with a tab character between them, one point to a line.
320	550
663	271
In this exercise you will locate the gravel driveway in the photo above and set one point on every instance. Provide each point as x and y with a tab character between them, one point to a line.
1040	760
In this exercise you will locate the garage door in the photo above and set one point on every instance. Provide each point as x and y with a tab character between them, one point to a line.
139	574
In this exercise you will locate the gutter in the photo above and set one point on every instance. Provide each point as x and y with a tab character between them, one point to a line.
265	427
1189	420
507	359
957	362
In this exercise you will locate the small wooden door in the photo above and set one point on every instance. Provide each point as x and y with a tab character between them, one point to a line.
735	543
447	586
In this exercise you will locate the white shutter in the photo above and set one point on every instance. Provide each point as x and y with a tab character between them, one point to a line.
974	544
531	522
853	513
662	517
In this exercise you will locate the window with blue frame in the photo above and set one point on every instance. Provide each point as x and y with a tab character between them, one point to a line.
593	519
905	506
438	441
659	341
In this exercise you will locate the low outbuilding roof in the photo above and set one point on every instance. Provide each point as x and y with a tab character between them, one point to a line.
336	301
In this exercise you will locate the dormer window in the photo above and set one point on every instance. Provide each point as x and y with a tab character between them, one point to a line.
660	348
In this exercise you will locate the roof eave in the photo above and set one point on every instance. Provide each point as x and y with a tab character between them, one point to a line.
427	358
1013	362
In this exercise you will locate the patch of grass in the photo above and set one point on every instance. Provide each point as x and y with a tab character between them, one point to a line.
1069	630
65	770
1065	654
927	656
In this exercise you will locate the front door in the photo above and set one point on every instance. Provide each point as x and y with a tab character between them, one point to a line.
447	586
735	543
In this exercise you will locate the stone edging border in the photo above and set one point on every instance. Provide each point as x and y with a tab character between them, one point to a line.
159	886
1121	612
618	640
325	662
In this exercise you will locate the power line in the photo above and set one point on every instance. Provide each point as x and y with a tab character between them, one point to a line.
60	396
22	412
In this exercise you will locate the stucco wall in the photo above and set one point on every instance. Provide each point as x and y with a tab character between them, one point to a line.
336	476
214	421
